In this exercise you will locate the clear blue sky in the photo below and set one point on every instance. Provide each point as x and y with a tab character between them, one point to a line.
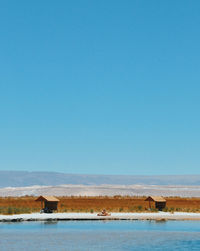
102	87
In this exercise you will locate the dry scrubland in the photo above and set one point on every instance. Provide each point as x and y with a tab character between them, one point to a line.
27	204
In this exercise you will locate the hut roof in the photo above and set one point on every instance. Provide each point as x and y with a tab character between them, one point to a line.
156	199
47	198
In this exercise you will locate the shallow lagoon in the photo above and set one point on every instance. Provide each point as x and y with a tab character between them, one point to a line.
100	235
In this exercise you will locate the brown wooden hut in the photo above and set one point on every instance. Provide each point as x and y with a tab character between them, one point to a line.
160	202
49	203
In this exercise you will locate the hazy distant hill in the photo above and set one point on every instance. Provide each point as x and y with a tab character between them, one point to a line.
20	178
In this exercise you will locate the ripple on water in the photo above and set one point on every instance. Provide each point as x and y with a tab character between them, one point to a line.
115	235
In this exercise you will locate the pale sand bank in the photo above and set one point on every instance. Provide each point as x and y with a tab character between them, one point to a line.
102	190
89	216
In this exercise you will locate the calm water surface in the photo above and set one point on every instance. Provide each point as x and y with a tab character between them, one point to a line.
100	235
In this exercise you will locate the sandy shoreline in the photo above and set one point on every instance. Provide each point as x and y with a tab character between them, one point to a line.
88	216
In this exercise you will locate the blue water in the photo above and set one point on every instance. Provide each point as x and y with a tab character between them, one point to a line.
100	235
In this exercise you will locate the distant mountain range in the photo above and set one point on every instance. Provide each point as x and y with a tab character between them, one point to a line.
23	178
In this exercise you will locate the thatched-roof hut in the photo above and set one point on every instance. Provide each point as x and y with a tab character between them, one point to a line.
49	203
160	202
